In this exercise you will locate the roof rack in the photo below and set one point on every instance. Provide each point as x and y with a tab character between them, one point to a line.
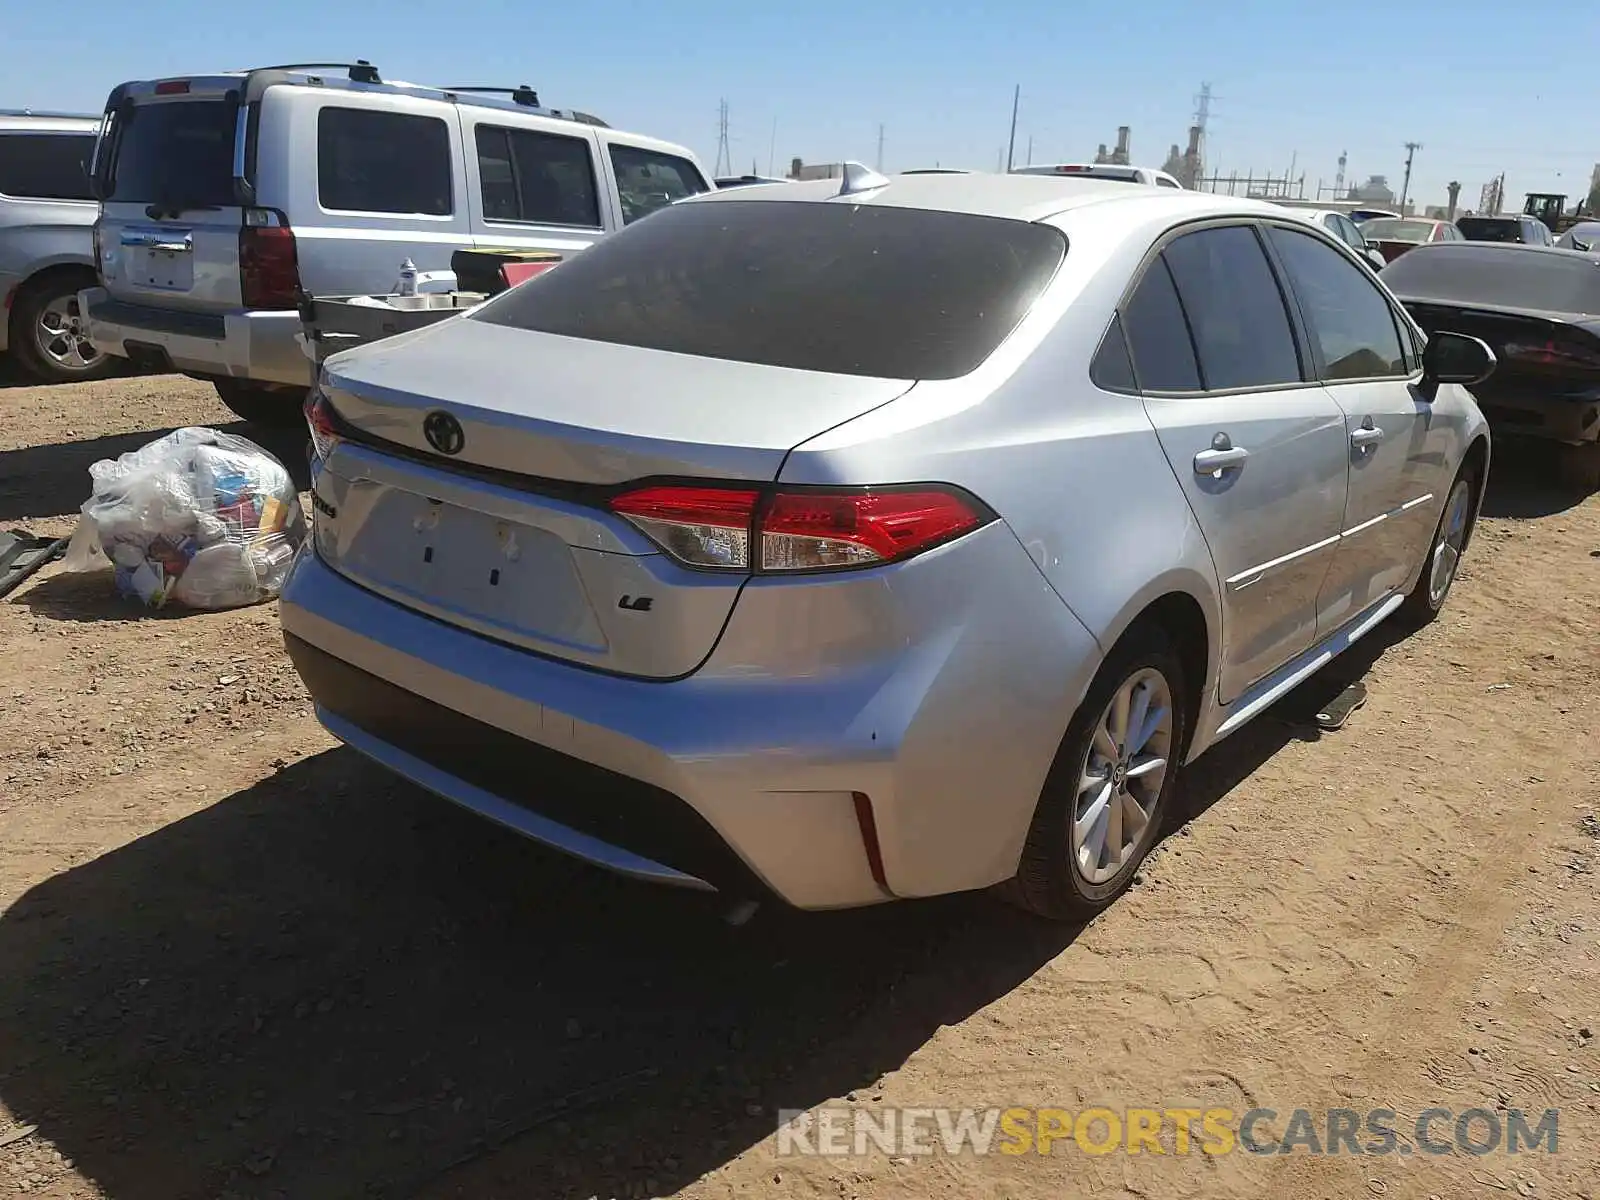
361	71
523	95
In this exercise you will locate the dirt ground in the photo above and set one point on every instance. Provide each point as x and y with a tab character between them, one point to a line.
237	961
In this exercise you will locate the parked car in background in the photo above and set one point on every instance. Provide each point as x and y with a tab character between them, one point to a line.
1539	310
1585	236
1513	227
1145	175
774	576
733	181
1343	229
1393	236
224	196
46	244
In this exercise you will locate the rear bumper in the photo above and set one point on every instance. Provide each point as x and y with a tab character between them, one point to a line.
736	778
258	346
1569	418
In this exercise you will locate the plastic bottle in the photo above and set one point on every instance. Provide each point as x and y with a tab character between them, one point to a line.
408	279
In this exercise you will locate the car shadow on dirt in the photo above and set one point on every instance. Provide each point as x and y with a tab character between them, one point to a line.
331	984
52	479
1524	483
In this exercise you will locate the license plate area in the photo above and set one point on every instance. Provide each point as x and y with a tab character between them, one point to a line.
162	259
465	566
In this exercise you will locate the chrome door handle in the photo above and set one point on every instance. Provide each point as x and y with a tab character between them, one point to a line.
1219	459
1365	436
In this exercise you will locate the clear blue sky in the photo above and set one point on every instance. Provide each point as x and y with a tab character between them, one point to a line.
1484	86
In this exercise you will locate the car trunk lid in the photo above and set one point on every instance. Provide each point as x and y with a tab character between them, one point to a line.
498	521
1537	352
170	221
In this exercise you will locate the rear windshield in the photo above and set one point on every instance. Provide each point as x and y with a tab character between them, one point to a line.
1490	229
1390	229
1469	273
173	153
46	166
896	293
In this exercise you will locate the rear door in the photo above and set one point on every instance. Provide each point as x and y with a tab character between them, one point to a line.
1258	450
534	185
169	225
368	179
1397	453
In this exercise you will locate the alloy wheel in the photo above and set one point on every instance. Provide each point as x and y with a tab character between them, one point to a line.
1452	539
60	336
1121	777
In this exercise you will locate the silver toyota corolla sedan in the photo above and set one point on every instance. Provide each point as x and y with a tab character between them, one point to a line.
876	540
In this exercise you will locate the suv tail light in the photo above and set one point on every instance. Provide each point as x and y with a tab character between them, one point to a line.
798	530
324	426
269	265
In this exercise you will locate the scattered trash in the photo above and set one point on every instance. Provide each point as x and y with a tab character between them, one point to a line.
1337	711
1499	687
20	1133
21	554
205	518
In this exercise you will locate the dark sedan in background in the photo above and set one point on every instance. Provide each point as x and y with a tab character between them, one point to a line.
1538	308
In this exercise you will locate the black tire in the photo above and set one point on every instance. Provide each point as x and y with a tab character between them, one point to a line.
1049	881
274	405
1422	605
47	292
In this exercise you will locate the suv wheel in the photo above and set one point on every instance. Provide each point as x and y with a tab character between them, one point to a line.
273	404
47	330
1110	788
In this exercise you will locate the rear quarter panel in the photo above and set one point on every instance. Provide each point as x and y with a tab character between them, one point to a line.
37	234
1075	472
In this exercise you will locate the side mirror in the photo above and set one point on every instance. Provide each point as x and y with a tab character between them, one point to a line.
1455	358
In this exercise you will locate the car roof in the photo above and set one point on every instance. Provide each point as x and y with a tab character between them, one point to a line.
48	122
1013	196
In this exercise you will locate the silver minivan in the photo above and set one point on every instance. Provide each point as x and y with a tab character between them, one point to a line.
46	247
226	197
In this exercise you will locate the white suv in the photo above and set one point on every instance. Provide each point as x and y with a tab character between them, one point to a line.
223	197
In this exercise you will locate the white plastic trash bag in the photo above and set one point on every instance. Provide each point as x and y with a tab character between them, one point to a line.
201	517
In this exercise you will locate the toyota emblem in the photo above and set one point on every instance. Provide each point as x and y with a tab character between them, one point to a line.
444	432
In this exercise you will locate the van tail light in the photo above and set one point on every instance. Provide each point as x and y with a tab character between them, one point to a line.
269	265
786	531
323	424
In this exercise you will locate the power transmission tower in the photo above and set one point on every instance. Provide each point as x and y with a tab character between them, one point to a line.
1405	184
1202	115
880	149
724	157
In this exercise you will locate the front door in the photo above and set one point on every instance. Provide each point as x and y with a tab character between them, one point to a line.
1258	450
1395	449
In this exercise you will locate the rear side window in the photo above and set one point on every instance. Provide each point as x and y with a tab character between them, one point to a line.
1350	320
544	178
1235	310
648	180
1112	368
847	289
175	153
1158	335
383	162
1163	181
45	166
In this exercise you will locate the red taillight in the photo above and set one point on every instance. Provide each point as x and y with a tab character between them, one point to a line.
704	527
737	529
1551	353
320	419
269	267
172	87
